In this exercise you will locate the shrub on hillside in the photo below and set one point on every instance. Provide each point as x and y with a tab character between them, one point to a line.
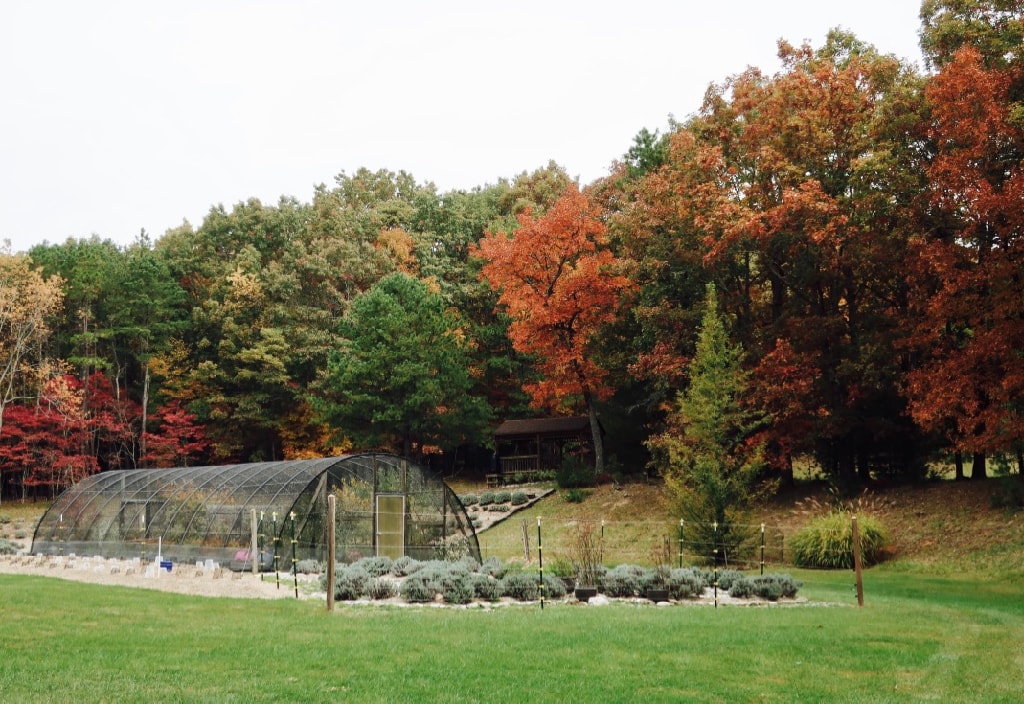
576	495
503	496
469	499
519	498
827	542
9	548
1008	493
575	473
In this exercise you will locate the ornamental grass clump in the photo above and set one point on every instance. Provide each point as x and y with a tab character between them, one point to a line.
519	498
503	496
469	499
827	542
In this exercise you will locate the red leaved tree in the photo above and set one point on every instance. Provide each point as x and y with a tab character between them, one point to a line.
48	441
969	290
561	284
115	421
179	439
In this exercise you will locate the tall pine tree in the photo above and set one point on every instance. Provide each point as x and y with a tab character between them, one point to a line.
711	465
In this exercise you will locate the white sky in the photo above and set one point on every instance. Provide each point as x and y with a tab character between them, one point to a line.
119	116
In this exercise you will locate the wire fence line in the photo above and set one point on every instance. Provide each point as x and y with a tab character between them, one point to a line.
644	542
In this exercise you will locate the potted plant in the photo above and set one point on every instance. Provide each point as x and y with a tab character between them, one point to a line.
586	557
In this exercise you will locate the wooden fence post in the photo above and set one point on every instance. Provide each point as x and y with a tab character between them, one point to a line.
254	552
856	561
331	528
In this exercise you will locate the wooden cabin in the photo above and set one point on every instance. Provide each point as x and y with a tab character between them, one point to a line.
528	448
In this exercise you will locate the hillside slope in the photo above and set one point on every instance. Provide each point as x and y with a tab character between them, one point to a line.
942	526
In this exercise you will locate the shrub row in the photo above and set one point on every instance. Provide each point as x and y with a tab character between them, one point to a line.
462	581
769	586
455	583
495	499
626	581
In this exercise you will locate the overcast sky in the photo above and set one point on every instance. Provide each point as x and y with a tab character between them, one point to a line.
119	116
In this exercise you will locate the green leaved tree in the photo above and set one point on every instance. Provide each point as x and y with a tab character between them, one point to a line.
711	464
403	377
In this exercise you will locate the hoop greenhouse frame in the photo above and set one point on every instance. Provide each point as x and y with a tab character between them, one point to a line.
201	513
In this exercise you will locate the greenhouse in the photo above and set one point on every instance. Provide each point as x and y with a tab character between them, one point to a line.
385	505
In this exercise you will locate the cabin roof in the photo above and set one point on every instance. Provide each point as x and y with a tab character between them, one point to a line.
571	425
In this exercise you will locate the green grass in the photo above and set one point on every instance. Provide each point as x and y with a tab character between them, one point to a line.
918	638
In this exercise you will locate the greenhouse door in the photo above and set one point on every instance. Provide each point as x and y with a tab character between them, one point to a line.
391	525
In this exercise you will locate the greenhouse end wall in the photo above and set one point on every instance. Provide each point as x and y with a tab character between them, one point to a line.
191	514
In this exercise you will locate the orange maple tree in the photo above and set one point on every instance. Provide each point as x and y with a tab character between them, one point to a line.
560	284
969	290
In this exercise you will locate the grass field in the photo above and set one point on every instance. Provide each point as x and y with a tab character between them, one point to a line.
943	621
917	639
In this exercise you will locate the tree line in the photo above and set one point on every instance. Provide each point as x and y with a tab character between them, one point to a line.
858	217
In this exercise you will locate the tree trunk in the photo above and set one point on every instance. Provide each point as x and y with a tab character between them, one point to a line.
145	412
958	464
863	468
978	466
788	480
847	470
595	431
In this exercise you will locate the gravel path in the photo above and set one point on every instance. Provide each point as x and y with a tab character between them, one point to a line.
183	579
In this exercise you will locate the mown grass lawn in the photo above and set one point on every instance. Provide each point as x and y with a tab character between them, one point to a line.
919	638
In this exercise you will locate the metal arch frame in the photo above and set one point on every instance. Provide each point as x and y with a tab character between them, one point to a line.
98	494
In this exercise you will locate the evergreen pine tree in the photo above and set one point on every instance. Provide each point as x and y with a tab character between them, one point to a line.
712	467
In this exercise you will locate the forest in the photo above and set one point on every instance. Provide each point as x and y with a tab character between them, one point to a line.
858	218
